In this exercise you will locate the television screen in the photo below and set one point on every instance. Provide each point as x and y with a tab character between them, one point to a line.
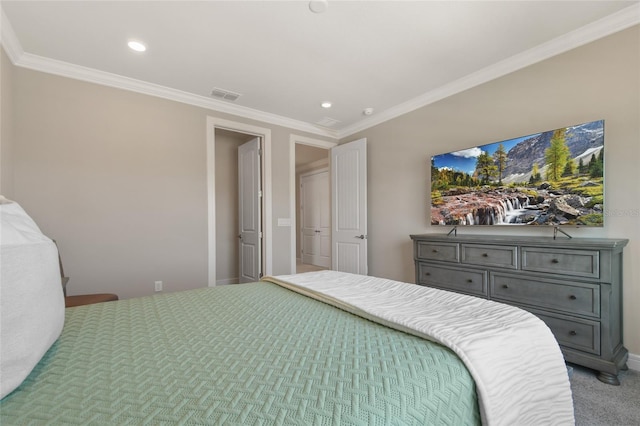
549	178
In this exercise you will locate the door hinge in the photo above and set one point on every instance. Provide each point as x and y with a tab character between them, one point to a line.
259	193
259	151
260	234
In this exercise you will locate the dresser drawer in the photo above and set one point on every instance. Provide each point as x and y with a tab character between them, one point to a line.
568	297
573	284
450	278
580	263
583	335
489	255
447	252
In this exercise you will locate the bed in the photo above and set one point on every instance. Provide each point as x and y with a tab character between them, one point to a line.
322	348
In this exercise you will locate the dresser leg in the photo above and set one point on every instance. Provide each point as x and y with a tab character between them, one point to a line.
608	378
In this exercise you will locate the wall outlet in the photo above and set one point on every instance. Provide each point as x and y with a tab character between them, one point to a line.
158	285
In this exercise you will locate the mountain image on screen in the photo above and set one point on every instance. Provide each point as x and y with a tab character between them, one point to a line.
552	178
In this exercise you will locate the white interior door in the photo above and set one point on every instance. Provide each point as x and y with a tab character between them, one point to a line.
316	219
349	207
249	211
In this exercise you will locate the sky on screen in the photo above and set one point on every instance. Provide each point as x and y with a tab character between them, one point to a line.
465	160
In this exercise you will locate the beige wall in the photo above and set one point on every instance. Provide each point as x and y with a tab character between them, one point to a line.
119	180
6	125
597	81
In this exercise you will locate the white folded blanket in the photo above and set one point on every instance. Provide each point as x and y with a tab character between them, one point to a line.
520	374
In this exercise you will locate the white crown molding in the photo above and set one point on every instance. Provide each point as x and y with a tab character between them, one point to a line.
51	66
65	69
618	21
613	23
8	37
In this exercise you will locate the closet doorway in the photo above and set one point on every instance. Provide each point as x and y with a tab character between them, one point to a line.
315	219
311	205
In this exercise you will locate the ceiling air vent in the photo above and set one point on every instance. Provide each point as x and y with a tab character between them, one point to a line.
227	95
327	122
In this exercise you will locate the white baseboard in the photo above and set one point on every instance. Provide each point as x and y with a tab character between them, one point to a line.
633	362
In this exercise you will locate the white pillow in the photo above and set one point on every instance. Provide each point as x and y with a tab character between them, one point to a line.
31	299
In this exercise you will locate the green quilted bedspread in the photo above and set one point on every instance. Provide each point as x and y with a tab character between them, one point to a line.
251	354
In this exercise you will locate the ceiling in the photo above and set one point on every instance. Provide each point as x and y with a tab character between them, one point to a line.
284	60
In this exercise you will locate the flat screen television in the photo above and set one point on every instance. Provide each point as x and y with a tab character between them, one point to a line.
552	178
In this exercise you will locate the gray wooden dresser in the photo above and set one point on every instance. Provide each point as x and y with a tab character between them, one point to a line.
573	285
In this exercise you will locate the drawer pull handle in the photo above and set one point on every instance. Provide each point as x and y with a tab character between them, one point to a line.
572	297
505	286
485	255
469	280
573	333
427	273
554	261
434	251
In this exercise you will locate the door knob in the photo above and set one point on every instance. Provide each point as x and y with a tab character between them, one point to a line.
362	237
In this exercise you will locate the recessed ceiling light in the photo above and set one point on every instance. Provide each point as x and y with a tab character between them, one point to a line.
326	105
137	46
318	6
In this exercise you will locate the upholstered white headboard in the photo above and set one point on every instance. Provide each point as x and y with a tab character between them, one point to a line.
31	299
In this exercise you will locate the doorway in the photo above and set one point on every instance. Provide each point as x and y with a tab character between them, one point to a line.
307	156
229	222
314	217
221	245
